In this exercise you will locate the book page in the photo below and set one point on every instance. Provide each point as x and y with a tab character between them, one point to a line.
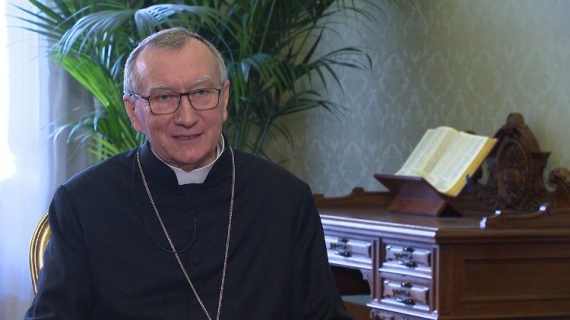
427	152
461	159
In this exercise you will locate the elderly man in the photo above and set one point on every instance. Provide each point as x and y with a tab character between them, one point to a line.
184	227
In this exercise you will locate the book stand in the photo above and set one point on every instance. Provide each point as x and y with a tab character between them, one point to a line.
415	195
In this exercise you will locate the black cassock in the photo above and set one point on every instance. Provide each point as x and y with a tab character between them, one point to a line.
108	257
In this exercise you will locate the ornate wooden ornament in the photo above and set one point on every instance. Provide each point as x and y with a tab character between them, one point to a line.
516	168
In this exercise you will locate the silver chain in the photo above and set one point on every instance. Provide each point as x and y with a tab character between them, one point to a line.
176	252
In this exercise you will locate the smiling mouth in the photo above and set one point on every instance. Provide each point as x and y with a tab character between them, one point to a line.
186	137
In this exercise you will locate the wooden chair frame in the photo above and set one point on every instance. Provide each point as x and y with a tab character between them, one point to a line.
38	244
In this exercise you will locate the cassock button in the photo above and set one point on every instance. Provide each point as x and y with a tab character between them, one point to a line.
194	303
195	262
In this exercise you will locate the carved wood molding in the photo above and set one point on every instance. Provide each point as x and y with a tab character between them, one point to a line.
367	275
516	172
560	177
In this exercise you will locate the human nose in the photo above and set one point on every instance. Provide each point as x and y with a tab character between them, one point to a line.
185	114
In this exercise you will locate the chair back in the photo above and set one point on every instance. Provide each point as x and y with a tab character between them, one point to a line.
38	244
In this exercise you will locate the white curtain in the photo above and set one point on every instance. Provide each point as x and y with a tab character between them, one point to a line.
34	93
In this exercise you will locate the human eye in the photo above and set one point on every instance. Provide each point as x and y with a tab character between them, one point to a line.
165	102
164	97
200	93
203	99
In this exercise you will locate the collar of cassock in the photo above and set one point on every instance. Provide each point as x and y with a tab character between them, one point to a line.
176	176
197	175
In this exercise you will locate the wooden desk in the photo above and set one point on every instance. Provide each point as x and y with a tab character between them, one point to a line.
447	268
513	263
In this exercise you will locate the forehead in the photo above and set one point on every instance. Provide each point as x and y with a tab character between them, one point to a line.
177	68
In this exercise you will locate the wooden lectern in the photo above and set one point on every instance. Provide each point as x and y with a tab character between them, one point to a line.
416	196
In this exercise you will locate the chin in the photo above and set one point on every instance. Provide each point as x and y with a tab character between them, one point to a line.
192	159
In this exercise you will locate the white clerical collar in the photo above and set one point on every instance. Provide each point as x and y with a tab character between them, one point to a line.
197	175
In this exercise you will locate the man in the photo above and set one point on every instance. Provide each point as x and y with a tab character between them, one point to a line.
184	227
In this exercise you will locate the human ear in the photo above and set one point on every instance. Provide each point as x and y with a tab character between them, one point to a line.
131	111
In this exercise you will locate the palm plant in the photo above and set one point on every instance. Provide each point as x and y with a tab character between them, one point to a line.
269	48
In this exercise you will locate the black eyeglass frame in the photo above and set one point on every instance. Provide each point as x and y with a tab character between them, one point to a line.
180	95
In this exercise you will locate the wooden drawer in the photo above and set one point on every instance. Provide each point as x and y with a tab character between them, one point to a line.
405	293
377	314
344	251
406	257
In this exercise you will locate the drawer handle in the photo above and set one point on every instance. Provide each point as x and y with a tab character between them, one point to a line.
343	253
409	264
401	293
407	253
408	302
341	248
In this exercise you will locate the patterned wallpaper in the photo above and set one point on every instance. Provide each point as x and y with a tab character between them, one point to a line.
465	64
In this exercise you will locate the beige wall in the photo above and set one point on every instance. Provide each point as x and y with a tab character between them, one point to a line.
465	64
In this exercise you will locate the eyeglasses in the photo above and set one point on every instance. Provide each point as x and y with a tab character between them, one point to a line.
169	102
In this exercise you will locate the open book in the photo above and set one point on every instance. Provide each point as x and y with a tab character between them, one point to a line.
444	157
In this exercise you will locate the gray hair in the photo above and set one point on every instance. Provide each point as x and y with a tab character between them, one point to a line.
175	39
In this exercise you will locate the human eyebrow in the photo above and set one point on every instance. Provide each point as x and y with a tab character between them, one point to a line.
201	81
206	80
159	88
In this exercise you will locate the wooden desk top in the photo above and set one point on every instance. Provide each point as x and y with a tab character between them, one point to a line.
359	212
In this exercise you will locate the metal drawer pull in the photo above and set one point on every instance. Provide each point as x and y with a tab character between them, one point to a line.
341	248
401	293
409	264
404	256
408	302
